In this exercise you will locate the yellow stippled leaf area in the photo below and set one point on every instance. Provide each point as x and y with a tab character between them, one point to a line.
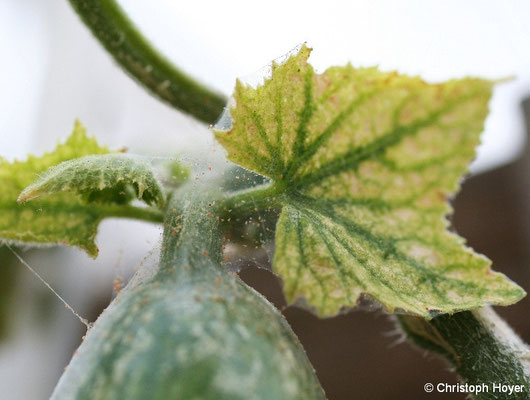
363	162
59	219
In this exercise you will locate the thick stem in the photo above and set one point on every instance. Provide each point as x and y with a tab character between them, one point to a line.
191	235
131	50
191	330
480	345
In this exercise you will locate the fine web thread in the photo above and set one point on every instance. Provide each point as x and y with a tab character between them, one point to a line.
251	257
84	321
263	240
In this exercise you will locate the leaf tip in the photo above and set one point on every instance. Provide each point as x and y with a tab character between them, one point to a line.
90	247
79	128
305	51
504	79
27	194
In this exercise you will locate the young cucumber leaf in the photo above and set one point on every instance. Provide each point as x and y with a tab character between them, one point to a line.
64	218
61	219
104	178
363	162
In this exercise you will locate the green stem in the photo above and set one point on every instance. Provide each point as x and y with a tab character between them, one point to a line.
265	197
191	235
480	345
125	211
133	52
239	206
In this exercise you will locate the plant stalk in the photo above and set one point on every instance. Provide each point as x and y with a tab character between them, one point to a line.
191	235
237	206
126	211
482	348
132	51
266	197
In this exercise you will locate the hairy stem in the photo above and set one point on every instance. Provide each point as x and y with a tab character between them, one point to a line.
139	213
191	235
133	52
239	206
480	345
258	198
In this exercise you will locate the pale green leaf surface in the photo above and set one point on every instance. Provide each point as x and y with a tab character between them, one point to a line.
178	173
60	219
105	178
363	162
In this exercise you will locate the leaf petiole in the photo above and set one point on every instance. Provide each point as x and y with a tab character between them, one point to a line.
148	214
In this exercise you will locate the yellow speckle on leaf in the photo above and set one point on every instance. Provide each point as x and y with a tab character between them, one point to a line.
364	161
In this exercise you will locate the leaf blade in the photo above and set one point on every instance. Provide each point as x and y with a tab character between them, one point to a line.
103	177
368	160
62	219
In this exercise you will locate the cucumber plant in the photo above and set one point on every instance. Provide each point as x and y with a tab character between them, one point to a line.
351	173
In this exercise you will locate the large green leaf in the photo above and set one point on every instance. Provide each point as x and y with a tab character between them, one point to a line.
363	162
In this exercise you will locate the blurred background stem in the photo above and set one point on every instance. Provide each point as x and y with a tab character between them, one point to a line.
133	52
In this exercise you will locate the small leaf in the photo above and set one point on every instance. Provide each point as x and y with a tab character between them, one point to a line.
61	219
103	178
363	162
